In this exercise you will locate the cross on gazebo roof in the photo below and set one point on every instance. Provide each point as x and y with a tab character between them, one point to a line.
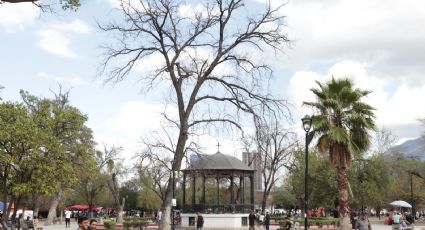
218	146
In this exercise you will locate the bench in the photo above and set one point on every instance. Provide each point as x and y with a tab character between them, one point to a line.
399	227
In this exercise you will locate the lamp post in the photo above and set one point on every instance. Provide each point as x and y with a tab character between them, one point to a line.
307	120
413	173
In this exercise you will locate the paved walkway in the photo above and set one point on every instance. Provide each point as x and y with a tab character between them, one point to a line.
74	226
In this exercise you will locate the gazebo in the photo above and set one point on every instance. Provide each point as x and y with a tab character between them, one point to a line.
230	213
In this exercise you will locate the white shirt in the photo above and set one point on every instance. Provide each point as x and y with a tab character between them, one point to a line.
67	214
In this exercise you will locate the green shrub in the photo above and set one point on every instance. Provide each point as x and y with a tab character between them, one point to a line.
136	223
127	224
320	221
110	224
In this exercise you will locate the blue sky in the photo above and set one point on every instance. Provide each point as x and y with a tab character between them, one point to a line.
380	46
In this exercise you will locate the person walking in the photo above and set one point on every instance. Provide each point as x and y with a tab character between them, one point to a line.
251	220
363	223
199	221
68	219
267	221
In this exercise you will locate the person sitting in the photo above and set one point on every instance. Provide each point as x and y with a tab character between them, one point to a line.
390	220
287	224
396	218
403	223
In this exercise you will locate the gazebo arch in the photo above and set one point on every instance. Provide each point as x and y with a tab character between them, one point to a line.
218	166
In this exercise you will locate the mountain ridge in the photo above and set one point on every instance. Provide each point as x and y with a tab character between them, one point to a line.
414	148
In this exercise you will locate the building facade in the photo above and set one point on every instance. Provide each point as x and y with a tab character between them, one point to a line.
253	160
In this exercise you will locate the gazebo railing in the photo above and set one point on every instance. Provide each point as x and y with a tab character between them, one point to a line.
218	208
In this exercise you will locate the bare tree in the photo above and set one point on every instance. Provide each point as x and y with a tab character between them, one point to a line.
47	5
154	171
384	140
205	55
275	147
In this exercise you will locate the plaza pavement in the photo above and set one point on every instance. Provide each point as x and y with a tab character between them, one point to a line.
74	226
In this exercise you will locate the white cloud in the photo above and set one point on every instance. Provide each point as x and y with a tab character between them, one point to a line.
137	118
14	17
73	81
57	37
397	105
114	3
389	37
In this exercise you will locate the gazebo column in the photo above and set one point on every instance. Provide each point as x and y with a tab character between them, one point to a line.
184	189
251	180
193	188
218	189
231	189
242	193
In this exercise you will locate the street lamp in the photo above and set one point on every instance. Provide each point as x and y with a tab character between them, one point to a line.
412	173
307	120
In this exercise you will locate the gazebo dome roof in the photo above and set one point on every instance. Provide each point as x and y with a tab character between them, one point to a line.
217	161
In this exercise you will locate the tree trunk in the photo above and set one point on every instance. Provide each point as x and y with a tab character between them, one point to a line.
52	209
166	208
120	209
115	191
61	216
264	203
166	213
4	198
16	203
178	156
36	204
344	209
91	210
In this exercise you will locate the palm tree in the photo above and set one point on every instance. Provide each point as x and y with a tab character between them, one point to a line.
341	126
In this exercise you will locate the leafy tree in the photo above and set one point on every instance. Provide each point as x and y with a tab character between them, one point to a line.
148	200
370	182
67	142
341	125
283	197
321	177
91	186
207	57
401	179
130	190
154	171
19	148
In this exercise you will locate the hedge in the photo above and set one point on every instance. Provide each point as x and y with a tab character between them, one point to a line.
110	224
136	223
314	221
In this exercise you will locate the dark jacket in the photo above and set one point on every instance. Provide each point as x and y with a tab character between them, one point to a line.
200	222
267	219
251	219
